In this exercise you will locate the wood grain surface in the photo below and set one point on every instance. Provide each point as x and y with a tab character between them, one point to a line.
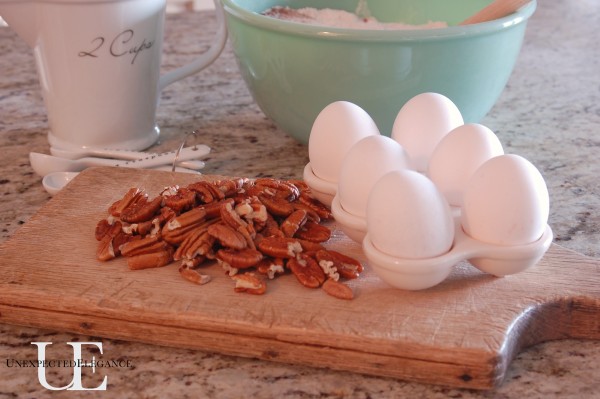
463	332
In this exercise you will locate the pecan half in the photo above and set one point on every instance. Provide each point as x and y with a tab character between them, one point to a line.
314	232
276	206
178	200
121	239
197	243
151	260
131	196
271	228
141	210
310	213
307	271
206	192
253	211
177	229
309	246
103	228
151	227
293	222
105	249
280	247
300	184
337	289
242	259
271	267
250	283
231	218
213	210
148	244
106	233
192	263
230	187
278	188
227	236
323	212
194	276
346	266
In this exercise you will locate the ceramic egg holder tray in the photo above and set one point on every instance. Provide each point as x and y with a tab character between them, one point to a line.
417	274
403	273
498	260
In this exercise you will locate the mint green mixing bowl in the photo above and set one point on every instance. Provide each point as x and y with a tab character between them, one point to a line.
294	70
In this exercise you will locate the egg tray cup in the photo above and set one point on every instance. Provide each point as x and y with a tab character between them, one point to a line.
355	227
322	190
418	274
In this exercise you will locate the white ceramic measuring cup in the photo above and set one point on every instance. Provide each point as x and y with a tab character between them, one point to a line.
99	66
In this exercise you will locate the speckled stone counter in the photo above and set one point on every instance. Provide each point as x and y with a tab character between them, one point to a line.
549	113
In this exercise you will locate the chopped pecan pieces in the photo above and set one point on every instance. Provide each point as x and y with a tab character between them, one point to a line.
255	230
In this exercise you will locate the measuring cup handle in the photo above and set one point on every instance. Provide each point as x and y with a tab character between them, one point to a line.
206	58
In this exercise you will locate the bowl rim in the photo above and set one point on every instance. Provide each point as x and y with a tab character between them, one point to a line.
404	35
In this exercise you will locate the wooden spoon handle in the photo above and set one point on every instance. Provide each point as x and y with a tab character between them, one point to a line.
495	10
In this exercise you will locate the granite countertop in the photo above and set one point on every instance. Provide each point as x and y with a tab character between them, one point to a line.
549	113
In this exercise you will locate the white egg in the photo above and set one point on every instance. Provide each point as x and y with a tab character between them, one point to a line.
408	218
506	202
457	157
337	128
421	123
365	163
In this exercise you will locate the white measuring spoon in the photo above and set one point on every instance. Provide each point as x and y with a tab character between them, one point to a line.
56	181
44	164
196	151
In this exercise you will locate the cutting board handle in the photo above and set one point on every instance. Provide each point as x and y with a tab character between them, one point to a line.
571	312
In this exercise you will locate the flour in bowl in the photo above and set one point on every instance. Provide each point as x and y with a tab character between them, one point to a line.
341	19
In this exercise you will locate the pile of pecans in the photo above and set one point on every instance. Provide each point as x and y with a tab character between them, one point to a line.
255	229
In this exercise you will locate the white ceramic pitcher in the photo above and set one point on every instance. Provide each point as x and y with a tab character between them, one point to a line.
99	66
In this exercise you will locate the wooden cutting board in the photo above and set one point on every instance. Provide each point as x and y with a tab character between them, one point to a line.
463	332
